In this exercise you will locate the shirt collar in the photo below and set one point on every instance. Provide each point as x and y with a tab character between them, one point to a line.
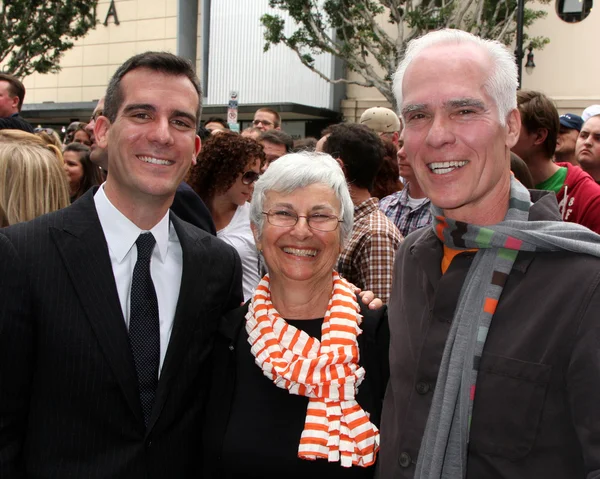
365	208
121	234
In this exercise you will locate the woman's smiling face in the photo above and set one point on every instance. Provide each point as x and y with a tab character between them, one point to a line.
300	253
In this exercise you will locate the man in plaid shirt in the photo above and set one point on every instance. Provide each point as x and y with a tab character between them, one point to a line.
367	260
409	208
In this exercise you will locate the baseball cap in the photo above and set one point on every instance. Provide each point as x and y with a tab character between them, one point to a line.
590	111
380	120
571	121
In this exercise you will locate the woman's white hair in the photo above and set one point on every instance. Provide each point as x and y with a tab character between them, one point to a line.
298	170
502	82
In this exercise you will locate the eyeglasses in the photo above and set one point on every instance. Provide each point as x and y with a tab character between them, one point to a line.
250	177
316	221
95	115
264	122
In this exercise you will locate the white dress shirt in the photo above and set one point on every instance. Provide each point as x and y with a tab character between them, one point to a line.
166	264
239	235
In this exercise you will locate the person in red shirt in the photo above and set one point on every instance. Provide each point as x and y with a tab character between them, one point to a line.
577	193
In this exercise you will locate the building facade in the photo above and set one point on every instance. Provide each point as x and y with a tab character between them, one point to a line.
225	39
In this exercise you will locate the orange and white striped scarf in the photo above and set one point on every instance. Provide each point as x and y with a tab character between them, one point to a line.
326	371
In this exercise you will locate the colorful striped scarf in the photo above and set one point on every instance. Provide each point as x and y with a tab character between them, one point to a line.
326	371
443	452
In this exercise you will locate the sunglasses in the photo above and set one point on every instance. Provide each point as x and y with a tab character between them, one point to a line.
48	131
250	177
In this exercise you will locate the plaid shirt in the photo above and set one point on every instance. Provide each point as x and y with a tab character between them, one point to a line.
395	207
368	259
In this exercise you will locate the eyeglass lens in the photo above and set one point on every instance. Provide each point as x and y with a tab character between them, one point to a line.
264	122
317	222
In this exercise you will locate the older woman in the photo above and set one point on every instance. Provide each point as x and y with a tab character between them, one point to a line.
300	370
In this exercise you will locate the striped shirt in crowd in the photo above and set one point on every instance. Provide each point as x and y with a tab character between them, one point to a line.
407	218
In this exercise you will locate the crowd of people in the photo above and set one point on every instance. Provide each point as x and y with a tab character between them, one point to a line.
179	300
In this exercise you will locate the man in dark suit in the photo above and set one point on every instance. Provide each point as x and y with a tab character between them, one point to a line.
108	307
12	94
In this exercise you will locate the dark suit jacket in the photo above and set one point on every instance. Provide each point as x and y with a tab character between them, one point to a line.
188	206
15	122
69	401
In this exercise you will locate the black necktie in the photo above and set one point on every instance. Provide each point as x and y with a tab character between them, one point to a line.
144	330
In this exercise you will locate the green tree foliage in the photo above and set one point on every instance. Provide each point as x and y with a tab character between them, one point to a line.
353	30
35	33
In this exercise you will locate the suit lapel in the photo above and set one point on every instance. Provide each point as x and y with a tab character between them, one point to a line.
189	307
84	251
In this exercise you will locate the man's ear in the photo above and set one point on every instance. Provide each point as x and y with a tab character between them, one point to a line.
197	148
540	136
101	129
513	128
15	102
341	163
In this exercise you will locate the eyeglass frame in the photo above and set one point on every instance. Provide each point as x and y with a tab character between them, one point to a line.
268	214
256	177
95	115
262	122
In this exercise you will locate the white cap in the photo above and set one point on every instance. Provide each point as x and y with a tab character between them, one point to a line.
380	120
590	111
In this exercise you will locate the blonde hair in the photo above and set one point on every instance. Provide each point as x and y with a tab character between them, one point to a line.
20	136
50	137
32	181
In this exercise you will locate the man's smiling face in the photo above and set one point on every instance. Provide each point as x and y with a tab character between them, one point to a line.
453	137
152	142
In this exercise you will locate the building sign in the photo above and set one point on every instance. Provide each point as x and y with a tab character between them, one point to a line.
232	111
112	12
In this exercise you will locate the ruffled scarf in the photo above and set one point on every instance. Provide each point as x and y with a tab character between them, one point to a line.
326	371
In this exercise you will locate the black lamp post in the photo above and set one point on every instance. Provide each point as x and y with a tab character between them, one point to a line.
519	50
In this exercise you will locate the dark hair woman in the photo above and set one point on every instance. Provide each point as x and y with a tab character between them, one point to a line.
82	173
224	177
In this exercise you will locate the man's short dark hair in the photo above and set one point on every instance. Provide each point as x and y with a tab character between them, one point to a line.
538	111
359	148
278	137
162	62
272	112
305	144
15	88
216	119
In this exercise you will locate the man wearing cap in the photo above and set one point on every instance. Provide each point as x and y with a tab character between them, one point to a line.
384	122
588	147
570	126
590	111
577	193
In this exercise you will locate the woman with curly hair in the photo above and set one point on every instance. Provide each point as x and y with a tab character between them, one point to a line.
228	166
